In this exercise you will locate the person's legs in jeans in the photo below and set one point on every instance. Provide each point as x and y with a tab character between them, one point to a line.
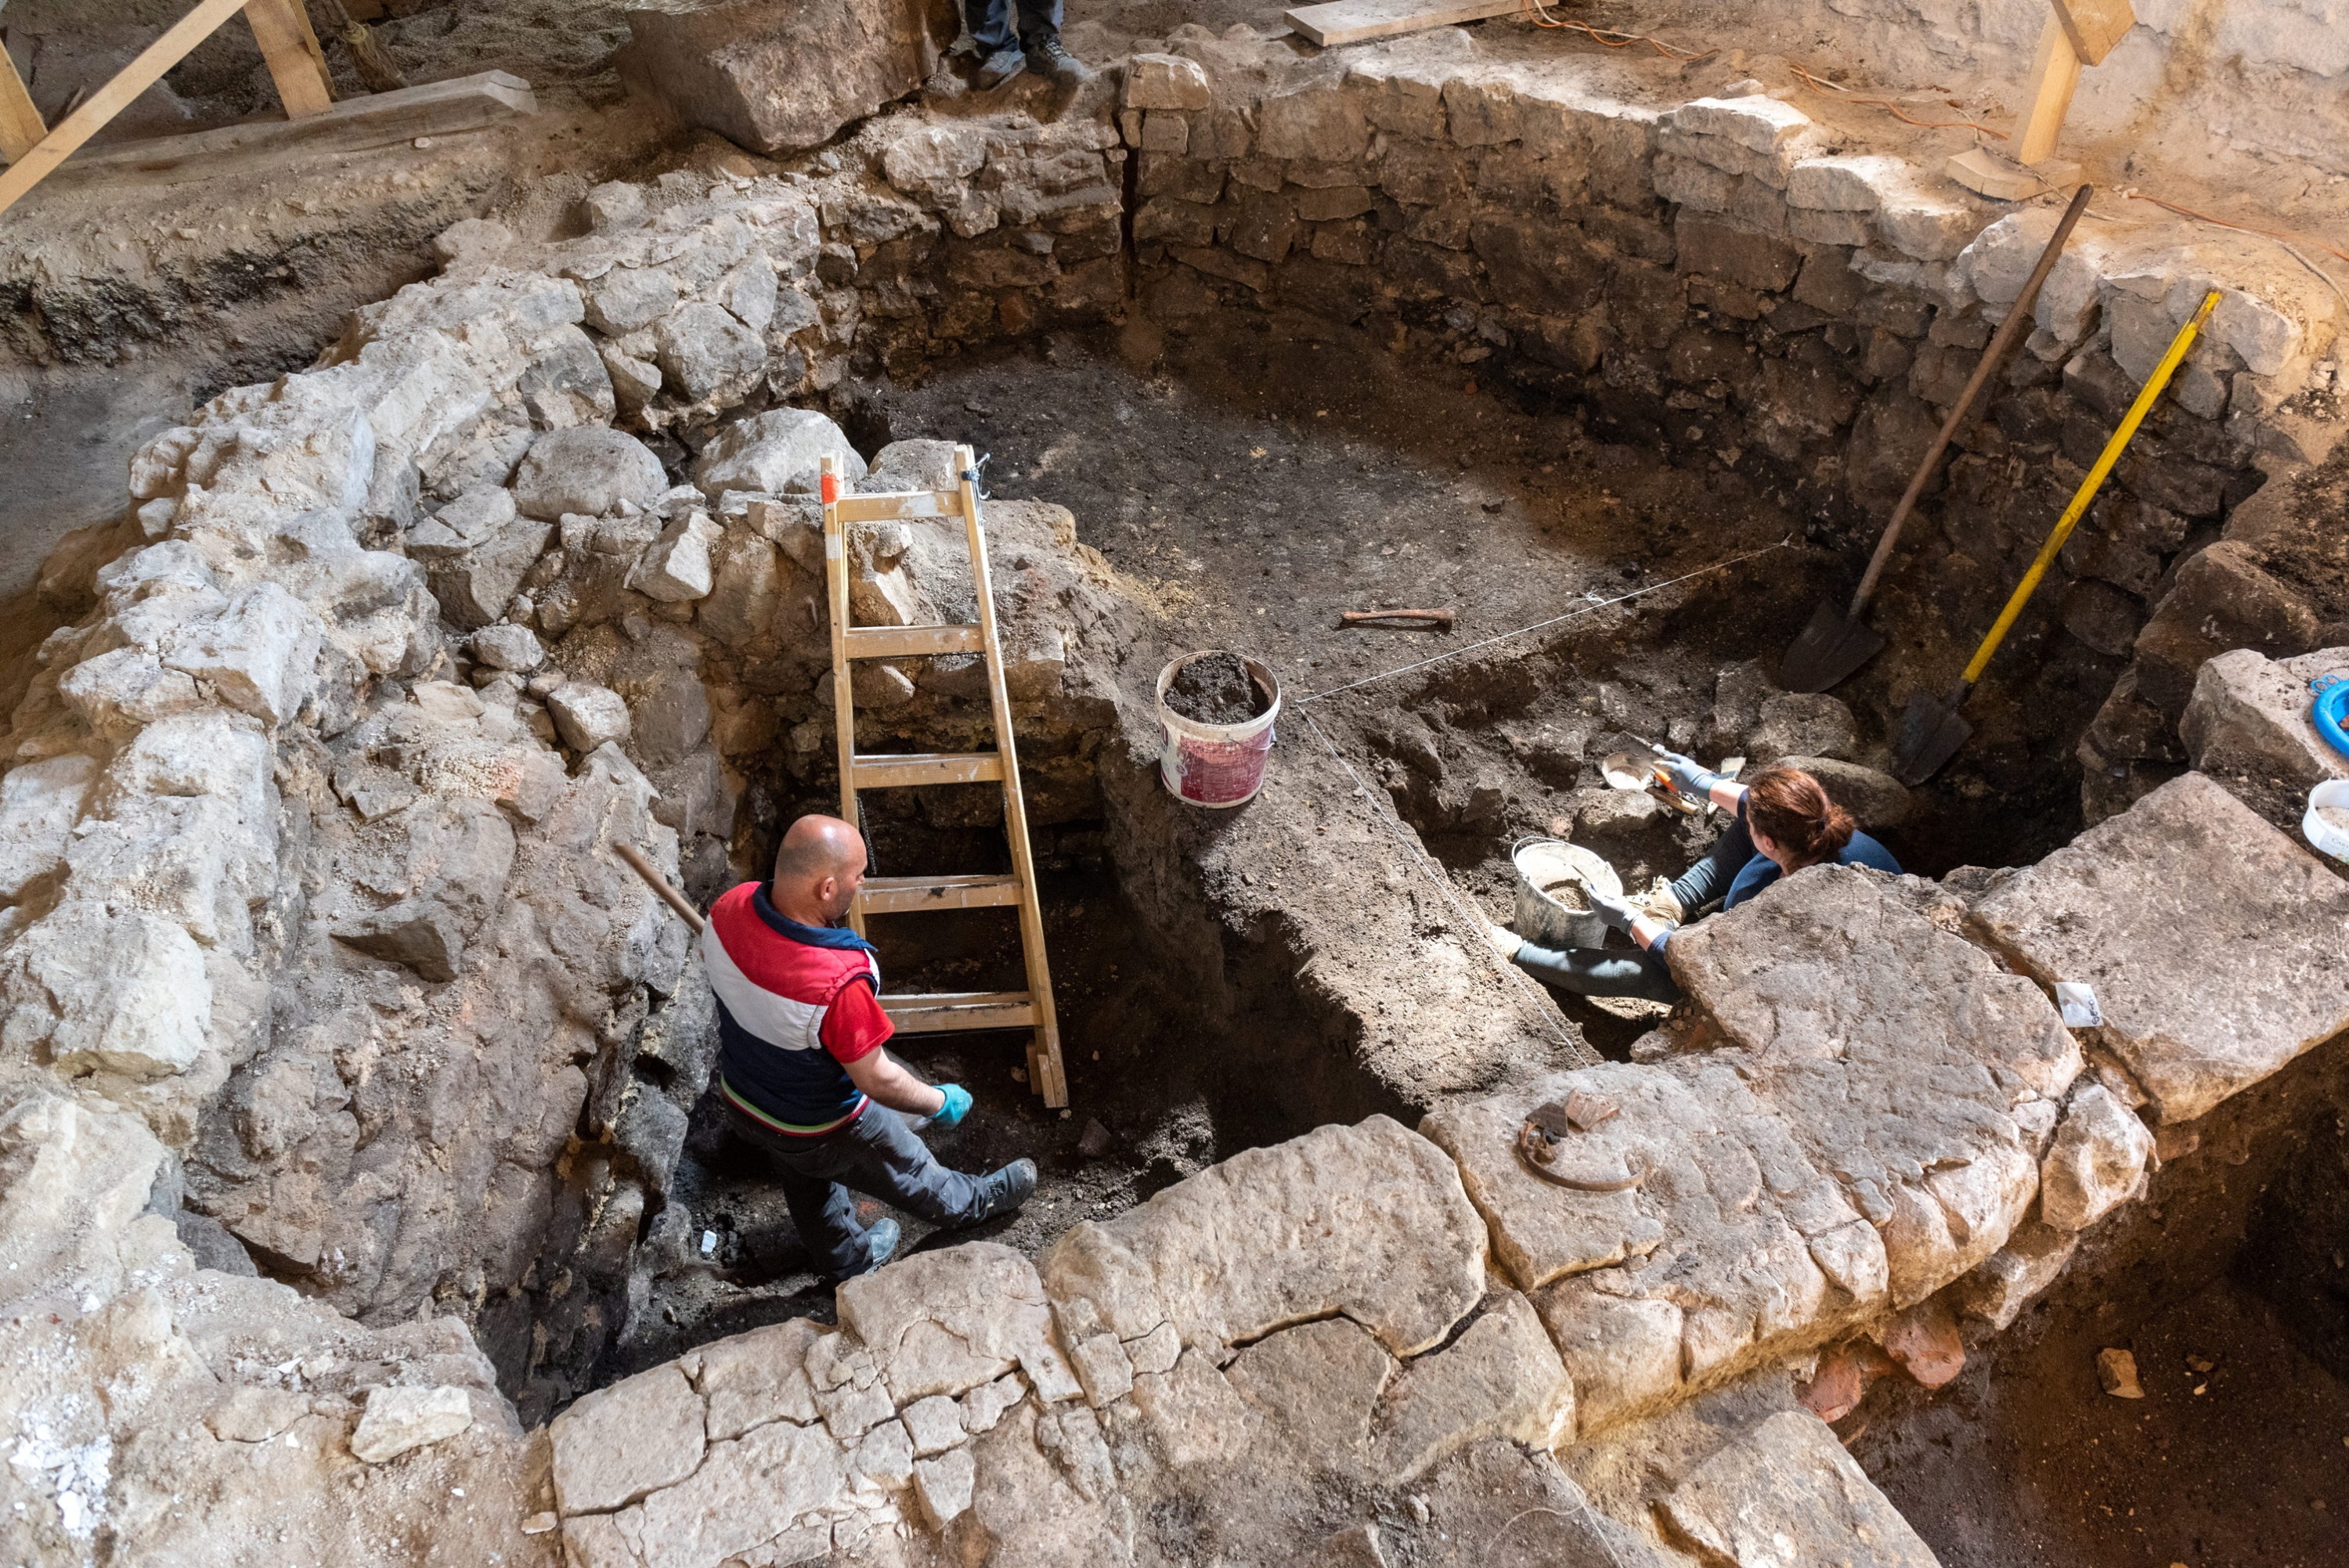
990	26
1598	972
1040	22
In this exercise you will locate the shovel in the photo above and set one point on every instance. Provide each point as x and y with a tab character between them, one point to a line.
1930	730
1837	641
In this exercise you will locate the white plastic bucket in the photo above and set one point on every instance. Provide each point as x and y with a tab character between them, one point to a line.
2332	840
1542	864
1217	765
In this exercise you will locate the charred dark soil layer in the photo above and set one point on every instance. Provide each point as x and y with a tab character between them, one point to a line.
2229	1284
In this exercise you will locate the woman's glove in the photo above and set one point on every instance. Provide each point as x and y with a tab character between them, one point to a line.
1614	911
956	1106
1689	776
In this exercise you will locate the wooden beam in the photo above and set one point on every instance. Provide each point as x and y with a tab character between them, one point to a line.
2047	98
920	1013
1350	21
354	125
920	895
897	771
20	123
2095	27
175	45
290	49
898	504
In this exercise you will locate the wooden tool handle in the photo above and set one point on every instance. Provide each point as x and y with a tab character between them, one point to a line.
1356	617
659	884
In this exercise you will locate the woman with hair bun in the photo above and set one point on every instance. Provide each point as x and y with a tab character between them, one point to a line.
1784	821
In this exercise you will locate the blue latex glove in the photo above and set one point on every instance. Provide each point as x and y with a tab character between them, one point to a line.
1689	776
956	1106
1614	911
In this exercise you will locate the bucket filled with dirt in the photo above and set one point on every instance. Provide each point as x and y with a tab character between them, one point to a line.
1218	710
1554	879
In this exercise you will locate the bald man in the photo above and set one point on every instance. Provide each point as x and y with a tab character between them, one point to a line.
801	1063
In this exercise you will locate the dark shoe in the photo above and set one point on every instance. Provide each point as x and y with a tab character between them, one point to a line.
1000	1191
1052	58
881	1238
1000	67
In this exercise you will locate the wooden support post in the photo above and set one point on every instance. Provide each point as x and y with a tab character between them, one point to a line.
297	64
20	123
2079	33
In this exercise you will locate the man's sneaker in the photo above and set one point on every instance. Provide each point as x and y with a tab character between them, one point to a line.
1000	1191
1052	58
881	1239
1000	67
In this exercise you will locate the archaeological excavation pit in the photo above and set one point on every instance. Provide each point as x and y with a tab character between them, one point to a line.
412	500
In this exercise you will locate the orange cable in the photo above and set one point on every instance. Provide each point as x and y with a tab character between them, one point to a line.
1538	14
2244	228
1893	108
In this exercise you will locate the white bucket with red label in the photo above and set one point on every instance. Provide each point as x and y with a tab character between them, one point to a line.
1217	765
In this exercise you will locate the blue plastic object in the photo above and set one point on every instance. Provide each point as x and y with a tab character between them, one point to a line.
956	1106
2332	711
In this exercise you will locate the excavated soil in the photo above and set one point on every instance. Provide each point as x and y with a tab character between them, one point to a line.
1215	689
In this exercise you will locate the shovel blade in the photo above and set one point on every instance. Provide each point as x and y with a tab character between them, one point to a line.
1930	734
1834	645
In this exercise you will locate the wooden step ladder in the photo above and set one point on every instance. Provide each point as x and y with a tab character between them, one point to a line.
917	1014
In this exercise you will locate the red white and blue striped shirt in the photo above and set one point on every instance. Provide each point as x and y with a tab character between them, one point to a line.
794	1003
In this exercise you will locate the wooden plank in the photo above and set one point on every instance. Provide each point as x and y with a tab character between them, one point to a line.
2095	27
920	895
897	506
378	120
116	96
1054	1087
20	123
905	642
291	52
900	770
1350	21
923	1013
843	693
2054	73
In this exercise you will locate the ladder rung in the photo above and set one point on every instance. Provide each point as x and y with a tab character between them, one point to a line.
902	641
880	772
897	505
928	1012
911	895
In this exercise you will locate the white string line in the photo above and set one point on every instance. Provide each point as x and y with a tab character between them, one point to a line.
1478	933
1597	1531
1553	621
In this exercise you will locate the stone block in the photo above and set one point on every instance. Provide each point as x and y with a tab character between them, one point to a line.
2004	1282
1368	1220
259	654
1480	110
2186	870
1321	1385
2096	1162
2222	597
627	298
624	1442
1757	123
120	993
506	646
742	70
769	451
934	1423
39	803
705	354
2250	725
1163	81
944	1486
1405	98
1797	724
589	471
948	1321
1320	124
1501	1378
736	1501
675	568
1759	262
1786	1493
752	1378
588	715
397	1419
